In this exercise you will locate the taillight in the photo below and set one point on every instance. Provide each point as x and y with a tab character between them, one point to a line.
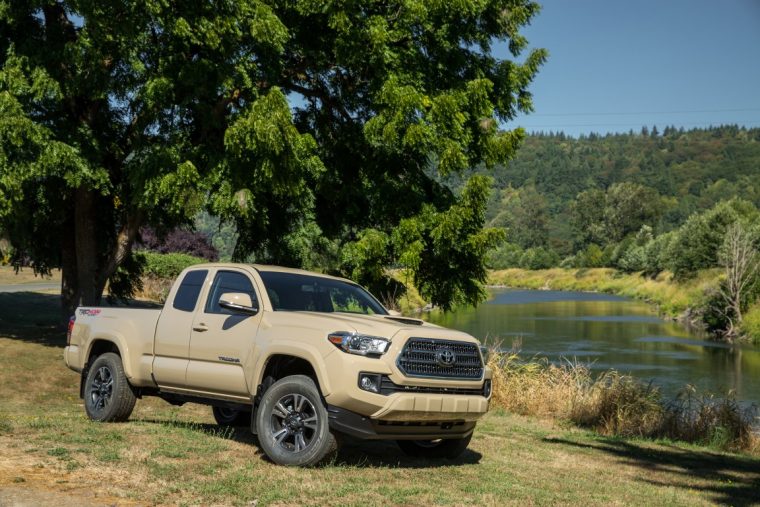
72	319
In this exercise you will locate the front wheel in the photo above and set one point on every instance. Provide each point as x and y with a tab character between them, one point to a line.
451	448
108	397
292	423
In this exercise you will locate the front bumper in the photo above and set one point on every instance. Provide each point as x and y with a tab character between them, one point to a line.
366	428
410	408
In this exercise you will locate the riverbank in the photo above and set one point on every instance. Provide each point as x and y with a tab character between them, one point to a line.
682	301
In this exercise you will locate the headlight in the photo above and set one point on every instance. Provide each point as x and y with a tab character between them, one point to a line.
360	344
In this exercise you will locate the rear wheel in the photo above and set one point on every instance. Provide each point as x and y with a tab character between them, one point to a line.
292	423
450	448
227	416
108	397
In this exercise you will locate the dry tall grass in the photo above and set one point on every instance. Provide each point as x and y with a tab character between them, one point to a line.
614	404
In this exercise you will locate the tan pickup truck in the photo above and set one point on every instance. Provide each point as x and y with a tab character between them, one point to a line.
299	357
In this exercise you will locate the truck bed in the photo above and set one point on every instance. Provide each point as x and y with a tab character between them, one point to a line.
131	328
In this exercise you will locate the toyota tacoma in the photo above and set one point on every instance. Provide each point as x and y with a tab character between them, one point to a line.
301	358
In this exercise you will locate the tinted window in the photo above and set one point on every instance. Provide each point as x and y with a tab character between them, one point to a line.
228	281
187	294
295	292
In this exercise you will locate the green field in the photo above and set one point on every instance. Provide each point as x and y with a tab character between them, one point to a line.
170	455
9	276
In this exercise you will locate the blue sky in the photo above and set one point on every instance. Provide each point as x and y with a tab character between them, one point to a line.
615	65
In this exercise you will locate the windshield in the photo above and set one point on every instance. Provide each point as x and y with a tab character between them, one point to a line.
296	292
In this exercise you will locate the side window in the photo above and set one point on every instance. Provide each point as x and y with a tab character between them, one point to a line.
228	281
189	289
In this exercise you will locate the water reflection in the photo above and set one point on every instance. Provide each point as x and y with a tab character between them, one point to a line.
610	332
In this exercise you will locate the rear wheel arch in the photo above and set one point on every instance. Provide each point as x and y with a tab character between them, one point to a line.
100	346
97	348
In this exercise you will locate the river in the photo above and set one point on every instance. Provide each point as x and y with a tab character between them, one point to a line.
605	331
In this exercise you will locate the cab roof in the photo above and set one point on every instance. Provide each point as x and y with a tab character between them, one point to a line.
270	269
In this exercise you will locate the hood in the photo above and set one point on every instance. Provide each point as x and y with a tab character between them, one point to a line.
385	326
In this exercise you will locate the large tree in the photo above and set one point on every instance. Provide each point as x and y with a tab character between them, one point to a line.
302	121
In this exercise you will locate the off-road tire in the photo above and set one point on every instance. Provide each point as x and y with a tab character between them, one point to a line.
108	397
292	405
226	416
435	449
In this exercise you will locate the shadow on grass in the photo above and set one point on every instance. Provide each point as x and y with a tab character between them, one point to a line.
386	454
352	453
731	480
32	317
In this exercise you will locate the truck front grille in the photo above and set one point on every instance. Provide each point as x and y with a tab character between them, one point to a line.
426	357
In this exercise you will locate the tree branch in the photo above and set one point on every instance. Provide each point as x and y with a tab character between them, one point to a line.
124	240
322	96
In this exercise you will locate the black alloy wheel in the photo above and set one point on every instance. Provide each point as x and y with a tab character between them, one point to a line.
108	397
292	423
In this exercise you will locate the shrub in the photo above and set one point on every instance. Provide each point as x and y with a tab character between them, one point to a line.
504	257
631	254
707	420
634	259
697	243
592	257
159	272
569	262
178	241
619	405
618	252
655	253
539	258
751	324
713	311
167	266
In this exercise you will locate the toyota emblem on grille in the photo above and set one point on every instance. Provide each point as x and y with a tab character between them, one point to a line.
446	357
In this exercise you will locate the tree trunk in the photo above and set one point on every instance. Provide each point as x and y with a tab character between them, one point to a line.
87	252
89	255
69	279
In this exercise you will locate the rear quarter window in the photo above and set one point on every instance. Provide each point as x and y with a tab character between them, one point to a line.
189	290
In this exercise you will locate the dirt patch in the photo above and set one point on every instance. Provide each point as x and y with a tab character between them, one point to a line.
29	480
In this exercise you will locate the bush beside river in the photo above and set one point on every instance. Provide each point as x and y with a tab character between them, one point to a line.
618	405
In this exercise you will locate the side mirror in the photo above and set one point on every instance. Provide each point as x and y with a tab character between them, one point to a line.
238	302
394	313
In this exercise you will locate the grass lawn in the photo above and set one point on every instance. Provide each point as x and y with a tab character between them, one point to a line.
8	276
171	455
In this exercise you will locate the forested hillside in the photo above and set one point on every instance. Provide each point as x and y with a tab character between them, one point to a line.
563	194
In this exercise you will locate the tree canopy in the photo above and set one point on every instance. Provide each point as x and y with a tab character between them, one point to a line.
311	125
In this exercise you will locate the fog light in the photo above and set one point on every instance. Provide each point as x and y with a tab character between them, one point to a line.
369	382
487	388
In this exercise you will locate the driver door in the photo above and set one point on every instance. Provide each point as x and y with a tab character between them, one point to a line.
222	341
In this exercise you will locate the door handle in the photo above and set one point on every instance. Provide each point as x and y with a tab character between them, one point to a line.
200	328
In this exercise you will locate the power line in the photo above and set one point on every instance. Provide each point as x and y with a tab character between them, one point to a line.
633	113
664	124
